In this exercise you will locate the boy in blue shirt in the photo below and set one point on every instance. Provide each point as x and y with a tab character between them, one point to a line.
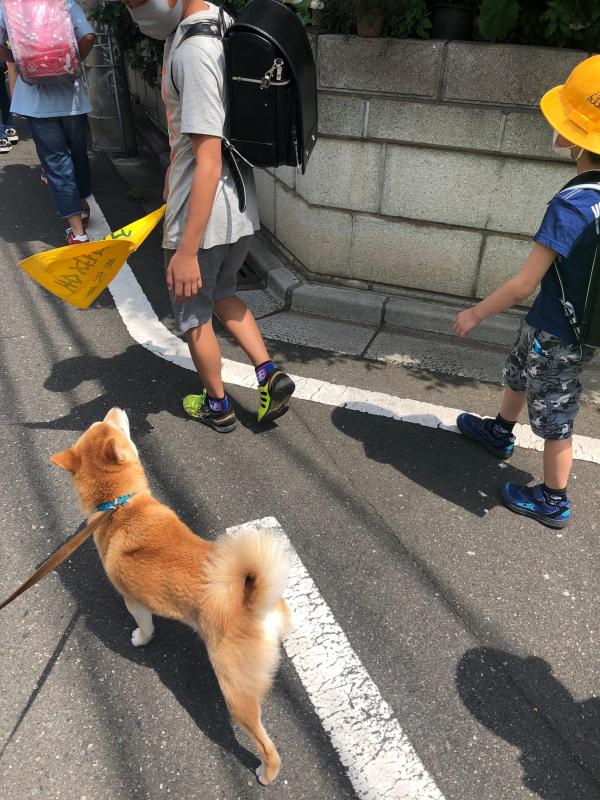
57	117
543	370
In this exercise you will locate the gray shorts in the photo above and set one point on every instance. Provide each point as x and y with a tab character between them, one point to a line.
548	369
219	267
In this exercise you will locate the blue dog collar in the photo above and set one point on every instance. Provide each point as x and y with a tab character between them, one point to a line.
114	504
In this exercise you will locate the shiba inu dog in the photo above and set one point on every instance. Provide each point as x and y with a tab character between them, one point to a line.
230	590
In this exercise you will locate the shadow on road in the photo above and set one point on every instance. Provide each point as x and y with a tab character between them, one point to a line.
521	701
137	381
134	379
443	463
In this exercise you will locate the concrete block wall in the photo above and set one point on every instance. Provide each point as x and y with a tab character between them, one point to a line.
433	167
149	97
432	170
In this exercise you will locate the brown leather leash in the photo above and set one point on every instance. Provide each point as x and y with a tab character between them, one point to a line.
63	552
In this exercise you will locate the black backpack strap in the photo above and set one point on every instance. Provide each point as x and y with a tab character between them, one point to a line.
567	305
590	179
591	176
228	154
216	29
208	27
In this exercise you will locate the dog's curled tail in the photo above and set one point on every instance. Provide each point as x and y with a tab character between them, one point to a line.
247	571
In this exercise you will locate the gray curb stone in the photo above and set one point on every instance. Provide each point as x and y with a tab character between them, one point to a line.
434	317
347	304
282	282
261	258
368	307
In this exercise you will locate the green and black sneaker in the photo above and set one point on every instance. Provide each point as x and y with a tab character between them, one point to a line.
274	396
196	406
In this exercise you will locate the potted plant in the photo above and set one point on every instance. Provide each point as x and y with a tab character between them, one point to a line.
453	19
370	16
310	12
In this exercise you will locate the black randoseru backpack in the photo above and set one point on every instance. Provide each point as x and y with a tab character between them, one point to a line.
271	85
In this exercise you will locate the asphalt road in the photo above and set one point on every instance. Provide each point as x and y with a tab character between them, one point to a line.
479	628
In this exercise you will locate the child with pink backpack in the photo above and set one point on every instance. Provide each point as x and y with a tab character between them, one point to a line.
48	39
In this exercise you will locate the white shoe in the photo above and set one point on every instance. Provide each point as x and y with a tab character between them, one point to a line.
73	238
5	145
12	135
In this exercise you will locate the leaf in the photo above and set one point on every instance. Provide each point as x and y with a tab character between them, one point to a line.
498	18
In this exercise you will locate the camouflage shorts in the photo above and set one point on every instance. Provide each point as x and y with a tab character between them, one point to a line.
548	369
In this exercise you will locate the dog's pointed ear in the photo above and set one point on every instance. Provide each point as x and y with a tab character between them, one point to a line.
114	452
66	459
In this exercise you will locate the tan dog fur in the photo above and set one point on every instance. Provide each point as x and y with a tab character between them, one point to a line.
229	590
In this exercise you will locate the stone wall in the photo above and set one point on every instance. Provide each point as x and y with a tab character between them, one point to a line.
433	167
149	97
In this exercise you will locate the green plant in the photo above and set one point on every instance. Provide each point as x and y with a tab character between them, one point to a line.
402	19
411	20
572	23
303	12
367	8
145	55
498	18
557	23
337	16
302	8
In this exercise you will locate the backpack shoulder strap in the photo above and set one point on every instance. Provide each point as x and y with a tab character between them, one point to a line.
588	180
203	28
216	29
208	27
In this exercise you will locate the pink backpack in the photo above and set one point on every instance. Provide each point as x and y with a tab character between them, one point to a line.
42	40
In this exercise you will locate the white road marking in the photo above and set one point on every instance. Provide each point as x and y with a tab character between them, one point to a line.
146	329
380	760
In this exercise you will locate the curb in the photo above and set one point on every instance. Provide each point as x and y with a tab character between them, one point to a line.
371	308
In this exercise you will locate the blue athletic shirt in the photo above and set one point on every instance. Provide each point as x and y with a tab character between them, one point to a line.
53	100
571	227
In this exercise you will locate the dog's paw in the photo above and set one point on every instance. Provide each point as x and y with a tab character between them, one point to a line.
260	774
138	639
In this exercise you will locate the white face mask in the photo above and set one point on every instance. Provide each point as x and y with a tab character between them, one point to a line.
155	19
564	152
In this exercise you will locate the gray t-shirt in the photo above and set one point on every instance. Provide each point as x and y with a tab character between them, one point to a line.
198	105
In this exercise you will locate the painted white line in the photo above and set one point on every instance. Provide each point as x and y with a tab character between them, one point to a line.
146	329
380	760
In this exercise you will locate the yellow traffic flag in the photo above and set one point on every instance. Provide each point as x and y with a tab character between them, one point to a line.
78	273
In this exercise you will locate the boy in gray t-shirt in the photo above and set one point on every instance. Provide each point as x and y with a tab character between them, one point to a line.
206	236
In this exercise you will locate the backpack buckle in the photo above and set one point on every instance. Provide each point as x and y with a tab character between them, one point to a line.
276	70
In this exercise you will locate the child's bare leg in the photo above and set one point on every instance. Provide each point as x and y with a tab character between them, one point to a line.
76	223
558	458
240	323
206	355
512	404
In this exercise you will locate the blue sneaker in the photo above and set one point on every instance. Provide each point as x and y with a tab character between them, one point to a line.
480	430
530	502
